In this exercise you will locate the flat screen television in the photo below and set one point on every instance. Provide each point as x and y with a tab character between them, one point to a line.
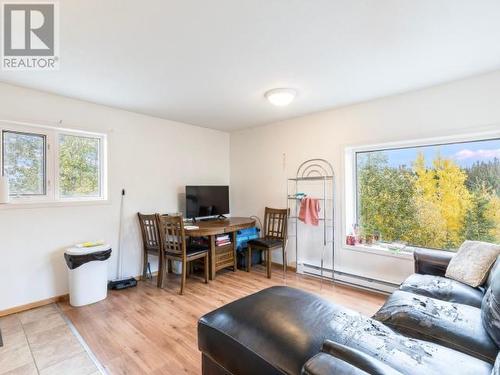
202	201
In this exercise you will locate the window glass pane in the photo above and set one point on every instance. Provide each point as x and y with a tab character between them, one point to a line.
23	156
431	196
79	166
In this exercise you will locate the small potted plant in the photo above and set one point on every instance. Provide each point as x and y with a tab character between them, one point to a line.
369	239
367	234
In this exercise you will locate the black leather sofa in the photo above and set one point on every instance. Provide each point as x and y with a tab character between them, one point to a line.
431	325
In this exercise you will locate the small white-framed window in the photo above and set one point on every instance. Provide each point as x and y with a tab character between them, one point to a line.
80	166
24	161
45	164
433	193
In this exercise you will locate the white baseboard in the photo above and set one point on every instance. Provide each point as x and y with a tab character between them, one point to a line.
349	279
365	283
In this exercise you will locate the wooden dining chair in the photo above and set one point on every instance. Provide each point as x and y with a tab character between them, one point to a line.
151	243
274	238
173	247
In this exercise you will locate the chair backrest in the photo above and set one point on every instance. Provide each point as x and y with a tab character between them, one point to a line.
149	230
275	223
172	236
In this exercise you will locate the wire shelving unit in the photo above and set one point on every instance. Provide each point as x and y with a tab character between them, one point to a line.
316	173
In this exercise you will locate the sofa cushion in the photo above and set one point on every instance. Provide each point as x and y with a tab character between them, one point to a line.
407	355
452	325
490	309
443	288
472	262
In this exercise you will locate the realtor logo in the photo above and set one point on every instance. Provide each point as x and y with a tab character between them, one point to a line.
30	36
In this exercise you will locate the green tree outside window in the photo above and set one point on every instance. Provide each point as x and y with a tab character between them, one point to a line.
79	166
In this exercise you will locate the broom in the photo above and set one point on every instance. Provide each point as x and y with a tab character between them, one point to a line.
120	282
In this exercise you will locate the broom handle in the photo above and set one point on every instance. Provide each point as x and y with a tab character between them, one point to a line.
120	257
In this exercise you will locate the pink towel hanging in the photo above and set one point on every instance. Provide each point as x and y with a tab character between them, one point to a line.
309	211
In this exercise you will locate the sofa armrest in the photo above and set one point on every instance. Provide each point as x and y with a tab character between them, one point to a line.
326	364
432	262
361	361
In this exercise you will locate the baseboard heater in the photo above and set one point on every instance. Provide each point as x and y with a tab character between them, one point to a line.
349	279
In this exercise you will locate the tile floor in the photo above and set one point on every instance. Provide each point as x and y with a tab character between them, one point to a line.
40	341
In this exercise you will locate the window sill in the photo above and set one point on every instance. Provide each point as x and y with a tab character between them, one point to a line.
380	250
68	203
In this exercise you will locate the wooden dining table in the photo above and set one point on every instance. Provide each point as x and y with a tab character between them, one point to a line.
225	255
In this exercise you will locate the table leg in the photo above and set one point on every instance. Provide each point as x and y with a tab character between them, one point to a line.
211	240
235	258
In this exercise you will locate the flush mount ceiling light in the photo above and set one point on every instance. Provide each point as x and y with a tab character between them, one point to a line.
280	97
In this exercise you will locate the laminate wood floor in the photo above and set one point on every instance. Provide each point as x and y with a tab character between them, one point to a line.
146	330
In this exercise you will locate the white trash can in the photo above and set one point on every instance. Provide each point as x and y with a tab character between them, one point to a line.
88	274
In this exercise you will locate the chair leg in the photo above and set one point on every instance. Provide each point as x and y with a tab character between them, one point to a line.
161	272
145	265
183	280
150	274
249	258
268	263
206	268
284	259
169	266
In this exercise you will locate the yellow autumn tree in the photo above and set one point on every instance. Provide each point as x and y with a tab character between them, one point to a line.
442	201
431	229
493	214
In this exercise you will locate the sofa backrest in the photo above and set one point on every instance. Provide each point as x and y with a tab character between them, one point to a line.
494	272
490	307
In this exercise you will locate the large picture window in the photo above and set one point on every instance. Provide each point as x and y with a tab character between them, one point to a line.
432	196
45	164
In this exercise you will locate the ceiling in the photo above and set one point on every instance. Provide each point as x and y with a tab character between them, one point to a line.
209	63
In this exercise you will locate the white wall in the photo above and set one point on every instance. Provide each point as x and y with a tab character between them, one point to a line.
142	149
258	173
151	158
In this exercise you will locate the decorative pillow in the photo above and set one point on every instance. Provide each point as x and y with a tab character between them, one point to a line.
472	262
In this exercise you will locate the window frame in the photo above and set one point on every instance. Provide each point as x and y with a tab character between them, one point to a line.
351	200
52	194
